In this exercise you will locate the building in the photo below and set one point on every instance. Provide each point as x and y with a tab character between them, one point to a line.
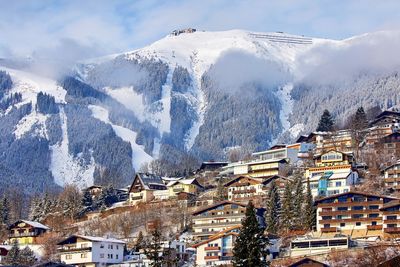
307	262
325	141
217	249
280	182
244	188
355	214
91	251
216	218
26	232
392	177
147	187
391	219
388	118
191	186
304	246
333	174
4	249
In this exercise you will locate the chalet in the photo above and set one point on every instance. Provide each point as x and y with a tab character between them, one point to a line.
392	177
325	141
94	190
333	174
210	166
387	118
191	186
147	187
80	250
353	213
26	232
217	249
280	182
213	219
244	188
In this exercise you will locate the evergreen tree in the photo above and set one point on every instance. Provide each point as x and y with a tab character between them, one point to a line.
153	248
273	209
87	201
310	212
13	256
326	122
298	199
27	257
5	211
251	246
287	208
139	241
360	120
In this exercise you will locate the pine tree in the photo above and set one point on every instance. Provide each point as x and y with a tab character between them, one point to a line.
360	120
153	248
251	246
87	202
326	122
5	211
287	208
310	212
298	199
221	196
273	209
13	256
27	257
139	241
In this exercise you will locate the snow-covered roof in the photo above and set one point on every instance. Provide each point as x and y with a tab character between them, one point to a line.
90	238
182	181
33	224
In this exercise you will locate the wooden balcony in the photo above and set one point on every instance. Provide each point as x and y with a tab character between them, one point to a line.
364	219
350	204
74	249
393	172
216	224
212	248
244	191
17	235
374	227
347	212
211	257
392	230
329	230
391	221
392	179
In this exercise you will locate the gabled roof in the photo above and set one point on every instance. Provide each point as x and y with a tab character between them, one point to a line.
397	163
240	178
274	177
333	150
388	113
308	262
226	232
185	181
148	180
72	239
217	205
31	223
354	193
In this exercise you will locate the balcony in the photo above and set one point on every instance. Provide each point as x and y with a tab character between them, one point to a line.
392	230
347	212
74	249
216	224
393	172
212	248
329	230
363	219
350	203
391	221
244	191
199	217
205	233
16	235
374	227
211	257
178	190
136	198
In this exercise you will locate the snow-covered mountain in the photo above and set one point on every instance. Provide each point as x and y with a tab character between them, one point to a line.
187	97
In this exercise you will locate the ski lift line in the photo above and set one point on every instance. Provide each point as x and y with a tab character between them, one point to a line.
283	39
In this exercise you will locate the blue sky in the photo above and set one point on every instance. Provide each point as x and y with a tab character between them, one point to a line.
93	28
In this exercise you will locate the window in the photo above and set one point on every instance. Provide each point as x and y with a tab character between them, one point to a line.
373	215
357	208
326	217
327	225
392	225
373	207
83	255
101	255
342	224
342	208
68	257
391	217
338	184
373	223
358	223
101	245
356	216
116	256
84	245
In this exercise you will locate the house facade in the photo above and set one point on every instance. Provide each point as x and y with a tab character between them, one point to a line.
392	177
89	251
333	174
147	187
244	188
191	186
26	232
352	213
217	249
216	218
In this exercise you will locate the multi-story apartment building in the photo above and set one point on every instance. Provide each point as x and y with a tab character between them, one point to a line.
217	249
147	187
89	251
333	174
245	188
26	232
213	219
352	213
392	176
325	141
391	219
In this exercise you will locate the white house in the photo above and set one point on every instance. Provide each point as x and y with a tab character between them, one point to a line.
90	251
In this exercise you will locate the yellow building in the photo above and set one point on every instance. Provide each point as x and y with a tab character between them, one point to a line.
147	187
191	186
26	232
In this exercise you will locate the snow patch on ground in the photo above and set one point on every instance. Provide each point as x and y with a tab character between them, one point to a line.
130	99
286	104
296	129
65	168
139	156
34	119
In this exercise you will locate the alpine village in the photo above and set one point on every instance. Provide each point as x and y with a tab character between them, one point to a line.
330	199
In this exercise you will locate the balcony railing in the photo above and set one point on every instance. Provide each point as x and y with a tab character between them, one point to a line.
363	219
350	203
136	198
346	212
74	249
392	230
374	227
211	257
216	224
15	235
244	191
329	229
212	248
